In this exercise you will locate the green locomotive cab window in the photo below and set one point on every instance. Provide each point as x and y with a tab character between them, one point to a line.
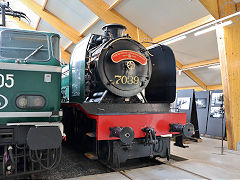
19	45
55	47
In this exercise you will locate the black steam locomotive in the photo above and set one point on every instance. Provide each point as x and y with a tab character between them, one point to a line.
119	96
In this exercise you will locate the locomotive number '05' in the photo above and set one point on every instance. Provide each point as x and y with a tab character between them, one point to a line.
6	81
126	79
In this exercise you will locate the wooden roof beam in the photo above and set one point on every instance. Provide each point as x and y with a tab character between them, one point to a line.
37	24
191	75
108	15
195	79
114	4
64	54
212	7
215	87
83	32
68	45
44	5
53	20
39	18
200	64
184	28
198	88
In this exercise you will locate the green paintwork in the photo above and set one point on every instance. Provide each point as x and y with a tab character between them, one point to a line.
77	71
65	83
32	82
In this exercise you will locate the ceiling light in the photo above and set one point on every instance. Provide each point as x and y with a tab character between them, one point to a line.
214	67
212	28
179	72
173	40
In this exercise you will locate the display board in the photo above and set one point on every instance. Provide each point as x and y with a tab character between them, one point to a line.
216	113
185	102
202	104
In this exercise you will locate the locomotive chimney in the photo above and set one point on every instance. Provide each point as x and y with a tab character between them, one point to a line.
113	31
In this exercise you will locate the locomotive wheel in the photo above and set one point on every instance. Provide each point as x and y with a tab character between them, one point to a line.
105	153
105	150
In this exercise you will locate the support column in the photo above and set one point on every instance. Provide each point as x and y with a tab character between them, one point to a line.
229	55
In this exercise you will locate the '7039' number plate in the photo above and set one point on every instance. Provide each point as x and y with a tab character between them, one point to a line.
126	79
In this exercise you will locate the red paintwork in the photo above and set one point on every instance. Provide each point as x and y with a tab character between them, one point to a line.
127	54
160	122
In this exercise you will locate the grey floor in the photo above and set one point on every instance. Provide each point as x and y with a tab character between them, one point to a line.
203	161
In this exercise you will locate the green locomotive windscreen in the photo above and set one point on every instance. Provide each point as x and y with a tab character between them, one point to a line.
30	76
18	45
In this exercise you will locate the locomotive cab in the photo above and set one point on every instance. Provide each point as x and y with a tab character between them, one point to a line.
30	82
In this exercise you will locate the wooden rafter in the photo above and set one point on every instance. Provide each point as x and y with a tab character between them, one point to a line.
93	23
191	75
39	18
53	20
212	7
195	79
90	25
68	45
114	4
37	24
184	28
200	64
44	5
101	9
215	87
64	54
83	32
197	88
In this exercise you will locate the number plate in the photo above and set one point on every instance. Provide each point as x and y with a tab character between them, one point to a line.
126	79
7	80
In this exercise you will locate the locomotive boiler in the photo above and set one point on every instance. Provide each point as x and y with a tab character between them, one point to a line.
119	98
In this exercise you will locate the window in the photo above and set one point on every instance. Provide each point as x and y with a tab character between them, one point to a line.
19	45
55	47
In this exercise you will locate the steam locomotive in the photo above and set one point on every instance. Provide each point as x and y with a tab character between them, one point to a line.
119	96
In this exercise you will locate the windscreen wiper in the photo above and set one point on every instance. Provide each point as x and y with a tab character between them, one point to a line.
34	52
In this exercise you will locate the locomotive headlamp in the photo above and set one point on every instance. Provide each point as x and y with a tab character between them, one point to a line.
21	102
30	102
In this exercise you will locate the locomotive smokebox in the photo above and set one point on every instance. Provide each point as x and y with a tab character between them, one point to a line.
113	30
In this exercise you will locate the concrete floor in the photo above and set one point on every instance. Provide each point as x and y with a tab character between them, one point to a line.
203	161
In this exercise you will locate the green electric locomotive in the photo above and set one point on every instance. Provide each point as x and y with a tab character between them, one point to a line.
30	79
